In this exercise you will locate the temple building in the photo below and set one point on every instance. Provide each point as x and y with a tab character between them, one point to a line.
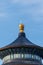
21	51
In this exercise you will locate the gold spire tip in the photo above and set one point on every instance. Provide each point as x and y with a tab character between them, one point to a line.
21	27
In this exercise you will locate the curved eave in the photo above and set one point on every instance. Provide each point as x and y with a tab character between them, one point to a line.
38	47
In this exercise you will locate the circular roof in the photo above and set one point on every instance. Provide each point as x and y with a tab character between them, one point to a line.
21	41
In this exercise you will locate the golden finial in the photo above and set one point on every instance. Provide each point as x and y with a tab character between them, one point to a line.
21	27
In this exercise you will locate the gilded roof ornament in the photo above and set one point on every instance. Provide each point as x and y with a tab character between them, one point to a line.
21	28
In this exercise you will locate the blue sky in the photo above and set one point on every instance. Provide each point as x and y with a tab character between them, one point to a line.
14	12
